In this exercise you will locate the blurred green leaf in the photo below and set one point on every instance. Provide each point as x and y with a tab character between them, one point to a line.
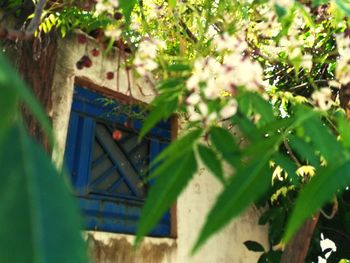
172	177
211	161
224	143
169	83
305	150
160	112
179	67
39	218
179	147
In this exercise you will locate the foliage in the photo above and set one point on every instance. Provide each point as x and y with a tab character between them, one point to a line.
34	196
276	73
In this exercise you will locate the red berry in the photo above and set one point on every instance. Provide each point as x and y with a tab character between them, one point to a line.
80	64
82	39
95	52
117	135
110	75
87	61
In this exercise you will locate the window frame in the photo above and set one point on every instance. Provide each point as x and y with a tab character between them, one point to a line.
126	212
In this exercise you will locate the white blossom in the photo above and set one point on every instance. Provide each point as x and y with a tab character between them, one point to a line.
193	99
229	109
106	6
144	60
113	32
284	3
323	98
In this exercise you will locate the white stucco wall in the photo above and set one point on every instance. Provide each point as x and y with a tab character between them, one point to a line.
192	206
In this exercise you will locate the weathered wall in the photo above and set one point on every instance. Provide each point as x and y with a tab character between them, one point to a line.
192	206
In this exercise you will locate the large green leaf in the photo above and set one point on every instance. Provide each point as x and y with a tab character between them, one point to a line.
246	186
161	112
211	161
172	177
304	150
39	219
322	138
178	147
320	190
225	143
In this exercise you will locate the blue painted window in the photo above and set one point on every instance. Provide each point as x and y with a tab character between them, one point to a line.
107	173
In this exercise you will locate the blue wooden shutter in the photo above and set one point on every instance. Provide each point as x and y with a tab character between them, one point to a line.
107	174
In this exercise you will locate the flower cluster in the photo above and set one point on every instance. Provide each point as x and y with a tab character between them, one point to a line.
211	79
108	6
323	98
145	56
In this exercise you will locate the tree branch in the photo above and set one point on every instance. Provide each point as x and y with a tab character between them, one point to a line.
34	23
32	27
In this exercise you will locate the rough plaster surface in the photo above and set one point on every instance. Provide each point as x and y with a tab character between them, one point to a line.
192	206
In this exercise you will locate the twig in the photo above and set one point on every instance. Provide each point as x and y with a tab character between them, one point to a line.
290	153
334	210
188	31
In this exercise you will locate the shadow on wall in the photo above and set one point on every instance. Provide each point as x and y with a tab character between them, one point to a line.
120	250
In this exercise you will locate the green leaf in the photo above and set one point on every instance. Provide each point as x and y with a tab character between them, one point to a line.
41	219
321	189
127	6
179	147
11	87
323	140
172	177
211	161
249	102
246	186
254	246
162	111
179	67
169	83
305	150
225	143
289	166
